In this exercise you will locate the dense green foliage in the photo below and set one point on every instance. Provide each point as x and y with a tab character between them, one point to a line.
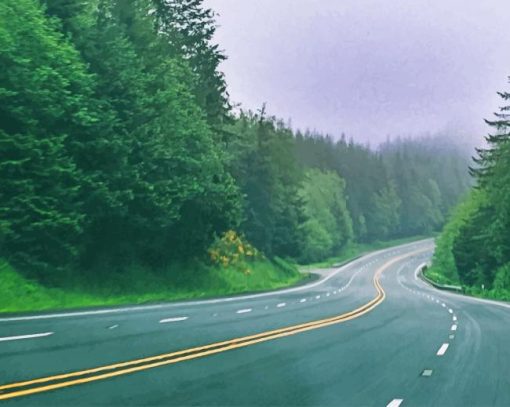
405	188
120	151
328	225
474	247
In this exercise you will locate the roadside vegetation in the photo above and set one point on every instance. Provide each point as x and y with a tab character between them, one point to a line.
474	247
135	285
127	176
353	250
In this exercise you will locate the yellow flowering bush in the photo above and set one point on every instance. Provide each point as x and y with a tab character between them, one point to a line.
232	250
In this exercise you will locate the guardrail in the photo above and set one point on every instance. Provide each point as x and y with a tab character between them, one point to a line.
446	287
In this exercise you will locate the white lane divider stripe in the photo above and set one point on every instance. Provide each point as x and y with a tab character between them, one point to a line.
442	349
302	300
318	297
282	304
244	311
395	403
18	337
454	318
450	310
175	319
454	327
113	326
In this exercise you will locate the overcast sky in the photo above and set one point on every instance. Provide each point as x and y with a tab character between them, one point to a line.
369	68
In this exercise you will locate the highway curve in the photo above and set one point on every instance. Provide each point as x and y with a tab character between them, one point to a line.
367	334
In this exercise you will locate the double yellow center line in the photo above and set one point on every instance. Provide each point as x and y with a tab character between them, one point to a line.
44	384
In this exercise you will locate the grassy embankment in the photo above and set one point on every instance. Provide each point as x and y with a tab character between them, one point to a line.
497	292
138	286
18	294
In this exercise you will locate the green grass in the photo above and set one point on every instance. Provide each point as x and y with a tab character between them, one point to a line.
435	275
357	249
493	294
137	286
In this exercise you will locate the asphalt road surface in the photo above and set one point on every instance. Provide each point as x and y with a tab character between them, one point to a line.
366	334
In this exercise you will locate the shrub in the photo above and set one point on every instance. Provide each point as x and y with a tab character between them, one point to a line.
232	250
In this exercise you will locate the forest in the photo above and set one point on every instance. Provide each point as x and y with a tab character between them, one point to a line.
474	248
123	156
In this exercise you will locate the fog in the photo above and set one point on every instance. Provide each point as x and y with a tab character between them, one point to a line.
368	68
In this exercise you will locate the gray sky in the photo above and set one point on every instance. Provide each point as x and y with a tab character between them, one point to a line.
368	68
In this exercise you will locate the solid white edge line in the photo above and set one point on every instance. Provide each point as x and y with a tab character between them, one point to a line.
442	350
395	403
175	319
19	337
353	263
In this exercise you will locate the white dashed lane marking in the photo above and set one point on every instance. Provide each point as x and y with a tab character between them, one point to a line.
395	403
454	327
244	311
19	337
175	319
282	304
442	350
302	300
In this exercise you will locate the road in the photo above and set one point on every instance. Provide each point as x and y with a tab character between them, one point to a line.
367	334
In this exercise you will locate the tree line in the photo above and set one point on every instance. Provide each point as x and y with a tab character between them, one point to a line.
119	145
474	247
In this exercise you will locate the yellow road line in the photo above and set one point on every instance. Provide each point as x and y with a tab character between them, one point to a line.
197	352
